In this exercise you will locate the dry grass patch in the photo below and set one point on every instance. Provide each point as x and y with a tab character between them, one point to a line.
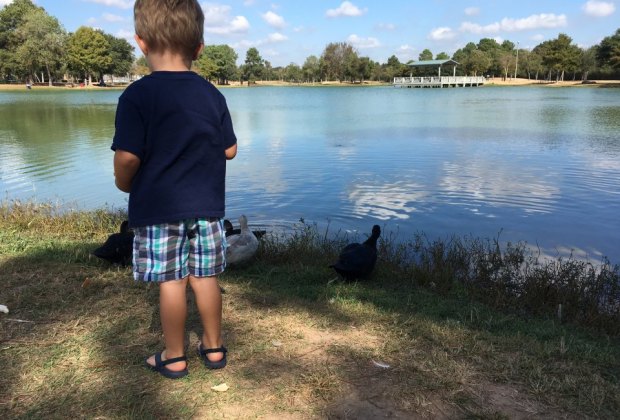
301	344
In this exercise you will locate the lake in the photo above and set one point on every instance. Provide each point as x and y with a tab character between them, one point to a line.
538	164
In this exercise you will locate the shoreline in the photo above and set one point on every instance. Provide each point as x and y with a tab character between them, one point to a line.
493	82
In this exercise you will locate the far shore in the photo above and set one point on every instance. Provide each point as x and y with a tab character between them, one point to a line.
497	81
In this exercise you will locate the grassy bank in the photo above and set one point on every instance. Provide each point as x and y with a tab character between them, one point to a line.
418	339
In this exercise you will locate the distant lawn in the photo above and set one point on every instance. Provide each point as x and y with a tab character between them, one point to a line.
420	338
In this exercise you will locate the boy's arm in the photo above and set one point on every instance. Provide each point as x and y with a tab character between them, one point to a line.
231	152
125	167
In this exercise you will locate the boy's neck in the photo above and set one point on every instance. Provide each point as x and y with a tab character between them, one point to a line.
167	61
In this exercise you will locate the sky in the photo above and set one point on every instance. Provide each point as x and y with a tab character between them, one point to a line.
288	31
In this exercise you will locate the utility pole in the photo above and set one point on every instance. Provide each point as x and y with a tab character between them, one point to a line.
517	61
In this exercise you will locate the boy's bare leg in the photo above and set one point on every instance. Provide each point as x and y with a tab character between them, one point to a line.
173	313
209	302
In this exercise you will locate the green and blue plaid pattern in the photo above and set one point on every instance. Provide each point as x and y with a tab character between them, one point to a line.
172	251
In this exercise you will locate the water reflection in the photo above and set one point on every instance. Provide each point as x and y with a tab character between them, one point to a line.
53	144
387	201
499	184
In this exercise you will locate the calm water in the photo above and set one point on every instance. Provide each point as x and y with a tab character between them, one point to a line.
541	165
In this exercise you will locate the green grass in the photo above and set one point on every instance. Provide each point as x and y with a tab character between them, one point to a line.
302	343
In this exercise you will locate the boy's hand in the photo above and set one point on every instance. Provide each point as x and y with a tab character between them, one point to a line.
231	152
125	167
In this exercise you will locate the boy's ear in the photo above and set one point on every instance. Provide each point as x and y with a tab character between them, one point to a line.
143	47
198	51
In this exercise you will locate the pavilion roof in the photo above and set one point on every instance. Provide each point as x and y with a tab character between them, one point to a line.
435	63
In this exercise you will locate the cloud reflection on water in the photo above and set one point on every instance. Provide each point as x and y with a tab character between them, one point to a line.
385	201
487	184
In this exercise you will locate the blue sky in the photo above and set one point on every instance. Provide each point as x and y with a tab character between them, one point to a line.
286	31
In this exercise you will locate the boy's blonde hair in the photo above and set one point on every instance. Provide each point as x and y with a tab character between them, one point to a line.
170	25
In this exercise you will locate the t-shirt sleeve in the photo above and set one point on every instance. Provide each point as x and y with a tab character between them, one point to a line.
227	128
130	131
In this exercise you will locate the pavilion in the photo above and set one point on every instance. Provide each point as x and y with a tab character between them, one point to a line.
438	81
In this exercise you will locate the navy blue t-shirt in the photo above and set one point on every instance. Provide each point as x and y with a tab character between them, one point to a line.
179	125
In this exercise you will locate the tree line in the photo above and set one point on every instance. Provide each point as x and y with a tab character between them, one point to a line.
35	47
554	60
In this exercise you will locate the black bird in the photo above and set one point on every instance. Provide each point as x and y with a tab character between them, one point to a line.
357	261
230	230
118	248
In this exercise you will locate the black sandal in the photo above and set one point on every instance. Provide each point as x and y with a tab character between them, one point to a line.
160	367
202	352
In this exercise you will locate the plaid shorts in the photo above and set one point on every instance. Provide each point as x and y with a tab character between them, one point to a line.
172	251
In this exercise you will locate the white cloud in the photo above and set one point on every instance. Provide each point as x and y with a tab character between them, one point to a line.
123	4
533	22
109	17
442	33
219	21
244	44
385	26
598	8
271	39
123	33
276	37
363	43
270	53
479	29
472	11
406	52
274	20
5	2
346	9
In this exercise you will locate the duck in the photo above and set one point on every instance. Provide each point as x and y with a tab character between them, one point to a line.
241	246
118	248
230	230
356	261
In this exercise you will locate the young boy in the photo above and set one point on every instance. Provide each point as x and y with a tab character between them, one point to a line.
173	137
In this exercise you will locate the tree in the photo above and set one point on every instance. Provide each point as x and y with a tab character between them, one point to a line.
587	61
140	67
508	46
608	52
463	56
337	61
268	73
312	69
559	55
220	61
42	44
478	62
364	68
88	52
206	67
425	55
531	62
490	47
394	68
351	65
11	18
254	65
122	56
506	60
293	73
442	56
